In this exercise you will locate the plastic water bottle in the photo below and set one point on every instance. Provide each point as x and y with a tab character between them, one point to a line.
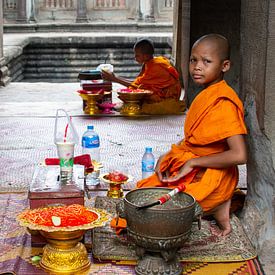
148	163
91	143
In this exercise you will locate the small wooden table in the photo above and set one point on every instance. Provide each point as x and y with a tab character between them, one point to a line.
45	189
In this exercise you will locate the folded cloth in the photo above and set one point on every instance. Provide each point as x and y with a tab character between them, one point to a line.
82	160
119	224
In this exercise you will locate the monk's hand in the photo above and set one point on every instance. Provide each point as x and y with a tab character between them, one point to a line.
184	170
107	75
159	173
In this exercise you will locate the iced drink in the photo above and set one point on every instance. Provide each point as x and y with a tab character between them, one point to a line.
65	152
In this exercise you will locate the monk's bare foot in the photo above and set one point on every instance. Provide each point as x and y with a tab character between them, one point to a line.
221	215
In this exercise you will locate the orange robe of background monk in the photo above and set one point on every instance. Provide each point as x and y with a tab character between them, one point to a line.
215	114
159	76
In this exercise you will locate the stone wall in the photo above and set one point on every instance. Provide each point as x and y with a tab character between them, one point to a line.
257	90
57	58
221	17
4	79
71	11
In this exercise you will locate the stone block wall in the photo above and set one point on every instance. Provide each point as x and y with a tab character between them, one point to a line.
60	59
257	89
221	17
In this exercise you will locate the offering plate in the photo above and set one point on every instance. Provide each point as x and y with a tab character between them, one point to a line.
115	187
107	107
132	101
91	99
64	253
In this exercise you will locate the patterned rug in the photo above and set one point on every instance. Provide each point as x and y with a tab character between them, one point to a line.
202	246
16	252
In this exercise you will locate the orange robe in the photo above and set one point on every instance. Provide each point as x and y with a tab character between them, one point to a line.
215	114
159	76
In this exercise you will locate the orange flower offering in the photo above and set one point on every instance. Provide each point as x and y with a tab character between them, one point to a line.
59	216
116	176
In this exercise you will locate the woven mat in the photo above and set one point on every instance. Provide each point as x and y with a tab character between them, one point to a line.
202	246
25	142
16	251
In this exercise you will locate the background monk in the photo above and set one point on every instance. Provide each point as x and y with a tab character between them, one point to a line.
214	137
158	75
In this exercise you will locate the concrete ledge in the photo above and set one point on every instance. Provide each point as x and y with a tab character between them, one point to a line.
90	27
14	43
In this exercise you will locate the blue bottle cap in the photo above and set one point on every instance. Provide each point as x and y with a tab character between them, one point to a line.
90	127
148	149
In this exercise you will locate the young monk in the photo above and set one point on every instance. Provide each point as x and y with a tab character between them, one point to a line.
214	137
157	75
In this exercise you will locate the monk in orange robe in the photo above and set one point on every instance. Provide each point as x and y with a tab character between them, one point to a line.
214	137
158	75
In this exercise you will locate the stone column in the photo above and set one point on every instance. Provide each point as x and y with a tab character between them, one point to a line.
257	89
139	12
22	11
150	16
4	79
1	29
146	10
81	16
181	39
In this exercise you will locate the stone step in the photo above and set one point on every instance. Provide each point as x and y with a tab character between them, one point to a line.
52	62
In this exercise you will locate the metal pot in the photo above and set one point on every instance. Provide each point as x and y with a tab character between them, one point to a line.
158	231
163	226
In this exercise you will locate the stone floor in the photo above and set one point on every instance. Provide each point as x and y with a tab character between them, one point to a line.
27	125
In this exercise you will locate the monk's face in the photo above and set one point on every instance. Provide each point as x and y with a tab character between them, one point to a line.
206	65
141	57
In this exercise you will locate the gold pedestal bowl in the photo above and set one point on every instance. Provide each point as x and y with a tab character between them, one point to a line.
132	101
92	100
64	253
115	187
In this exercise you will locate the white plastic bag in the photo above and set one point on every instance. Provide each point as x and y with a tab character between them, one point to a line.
64	130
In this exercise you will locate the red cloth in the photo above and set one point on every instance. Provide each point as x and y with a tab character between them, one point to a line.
82	160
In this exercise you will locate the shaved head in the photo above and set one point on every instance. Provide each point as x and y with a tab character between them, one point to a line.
217	41
145	45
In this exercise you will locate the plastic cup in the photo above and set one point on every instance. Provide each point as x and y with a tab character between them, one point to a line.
65	151
106	67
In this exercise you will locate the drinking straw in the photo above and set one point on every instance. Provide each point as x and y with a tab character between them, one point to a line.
65	134
66	130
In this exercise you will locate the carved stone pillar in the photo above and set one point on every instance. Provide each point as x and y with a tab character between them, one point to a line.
139	12
81	15
150	15
181	39
1	29
146	10
22	11
4	79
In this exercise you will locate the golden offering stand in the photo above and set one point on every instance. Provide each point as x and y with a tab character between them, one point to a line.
91	99
132	102
115	187
115	190
64	253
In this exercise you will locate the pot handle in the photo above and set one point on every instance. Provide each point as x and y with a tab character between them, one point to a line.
198	214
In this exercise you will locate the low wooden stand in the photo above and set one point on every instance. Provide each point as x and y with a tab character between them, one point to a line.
45	189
